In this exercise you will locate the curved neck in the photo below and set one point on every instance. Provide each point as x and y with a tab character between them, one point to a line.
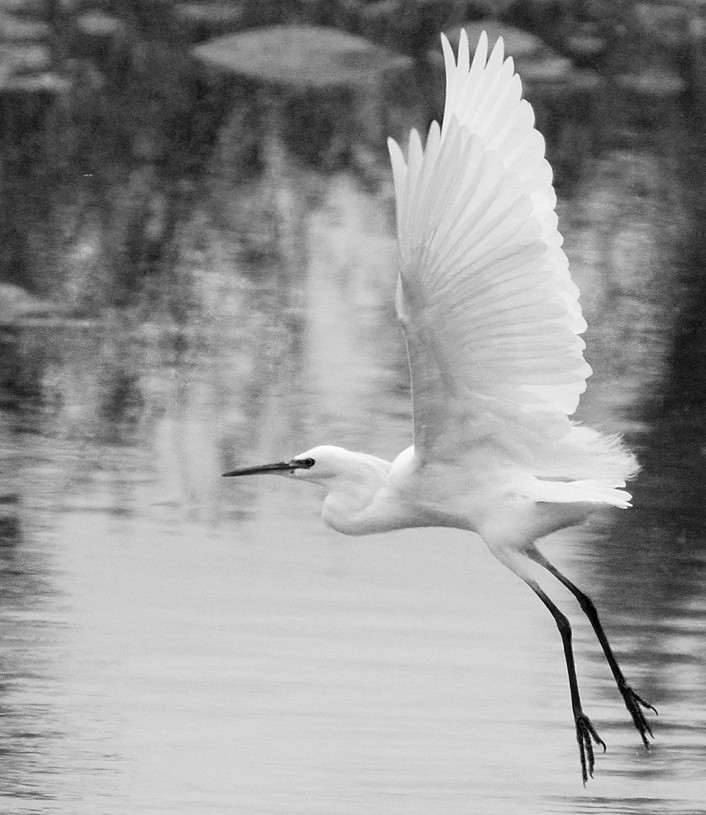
348	504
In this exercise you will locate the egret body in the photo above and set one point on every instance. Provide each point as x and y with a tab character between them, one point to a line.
492	325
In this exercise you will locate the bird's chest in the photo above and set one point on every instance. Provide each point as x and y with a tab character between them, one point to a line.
345	514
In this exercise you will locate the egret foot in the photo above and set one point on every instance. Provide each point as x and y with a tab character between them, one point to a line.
585	731
632	703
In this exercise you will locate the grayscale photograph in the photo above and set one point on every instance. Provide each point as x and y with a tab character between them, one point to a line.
352	407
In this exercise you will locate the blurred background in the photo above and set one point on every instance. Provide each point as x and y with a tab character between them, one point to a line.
197	270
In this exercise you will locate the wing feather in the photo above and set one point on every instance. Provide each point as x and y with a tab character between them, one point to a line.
490	314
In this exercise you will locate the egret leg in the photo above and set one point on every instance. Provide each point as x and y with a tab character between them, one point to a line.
585	731
632	700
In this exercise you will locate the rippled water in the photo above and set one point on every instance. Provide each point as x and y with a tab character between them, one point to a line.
173	642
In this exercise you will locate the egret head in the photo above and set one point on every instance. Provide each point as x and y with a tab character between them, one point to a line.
351	479
317	465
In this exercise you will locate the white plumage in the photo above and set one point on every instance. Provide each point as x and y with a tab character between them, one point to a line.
489	311
492	324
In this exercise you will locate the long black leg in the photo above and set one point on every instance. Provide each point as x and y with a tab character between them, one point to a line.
585	731
632	700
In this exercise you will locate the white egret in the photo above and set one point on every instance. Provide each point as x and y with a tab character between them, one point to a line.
492	323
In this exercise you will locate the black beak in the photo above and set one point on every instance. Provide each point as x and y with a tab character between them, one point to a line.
280	466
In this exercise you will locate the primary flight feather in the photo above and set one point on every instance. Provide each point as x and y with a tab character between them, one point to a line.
492	324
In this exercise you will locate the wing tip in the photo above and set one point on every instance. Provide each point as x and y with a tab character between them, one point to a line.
463	44
500	47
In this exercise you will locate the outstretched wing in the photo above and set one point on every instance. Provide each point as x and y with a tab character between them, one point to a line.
489	311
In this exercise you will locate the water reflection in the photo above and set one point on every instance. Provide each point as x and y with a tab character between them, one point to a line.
174	643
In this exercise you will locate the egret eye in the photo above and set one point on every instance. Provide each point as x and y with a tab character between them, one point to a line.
308	463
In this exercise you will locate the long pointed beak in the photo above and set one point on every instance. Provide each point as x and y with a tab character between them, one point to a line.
278	467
